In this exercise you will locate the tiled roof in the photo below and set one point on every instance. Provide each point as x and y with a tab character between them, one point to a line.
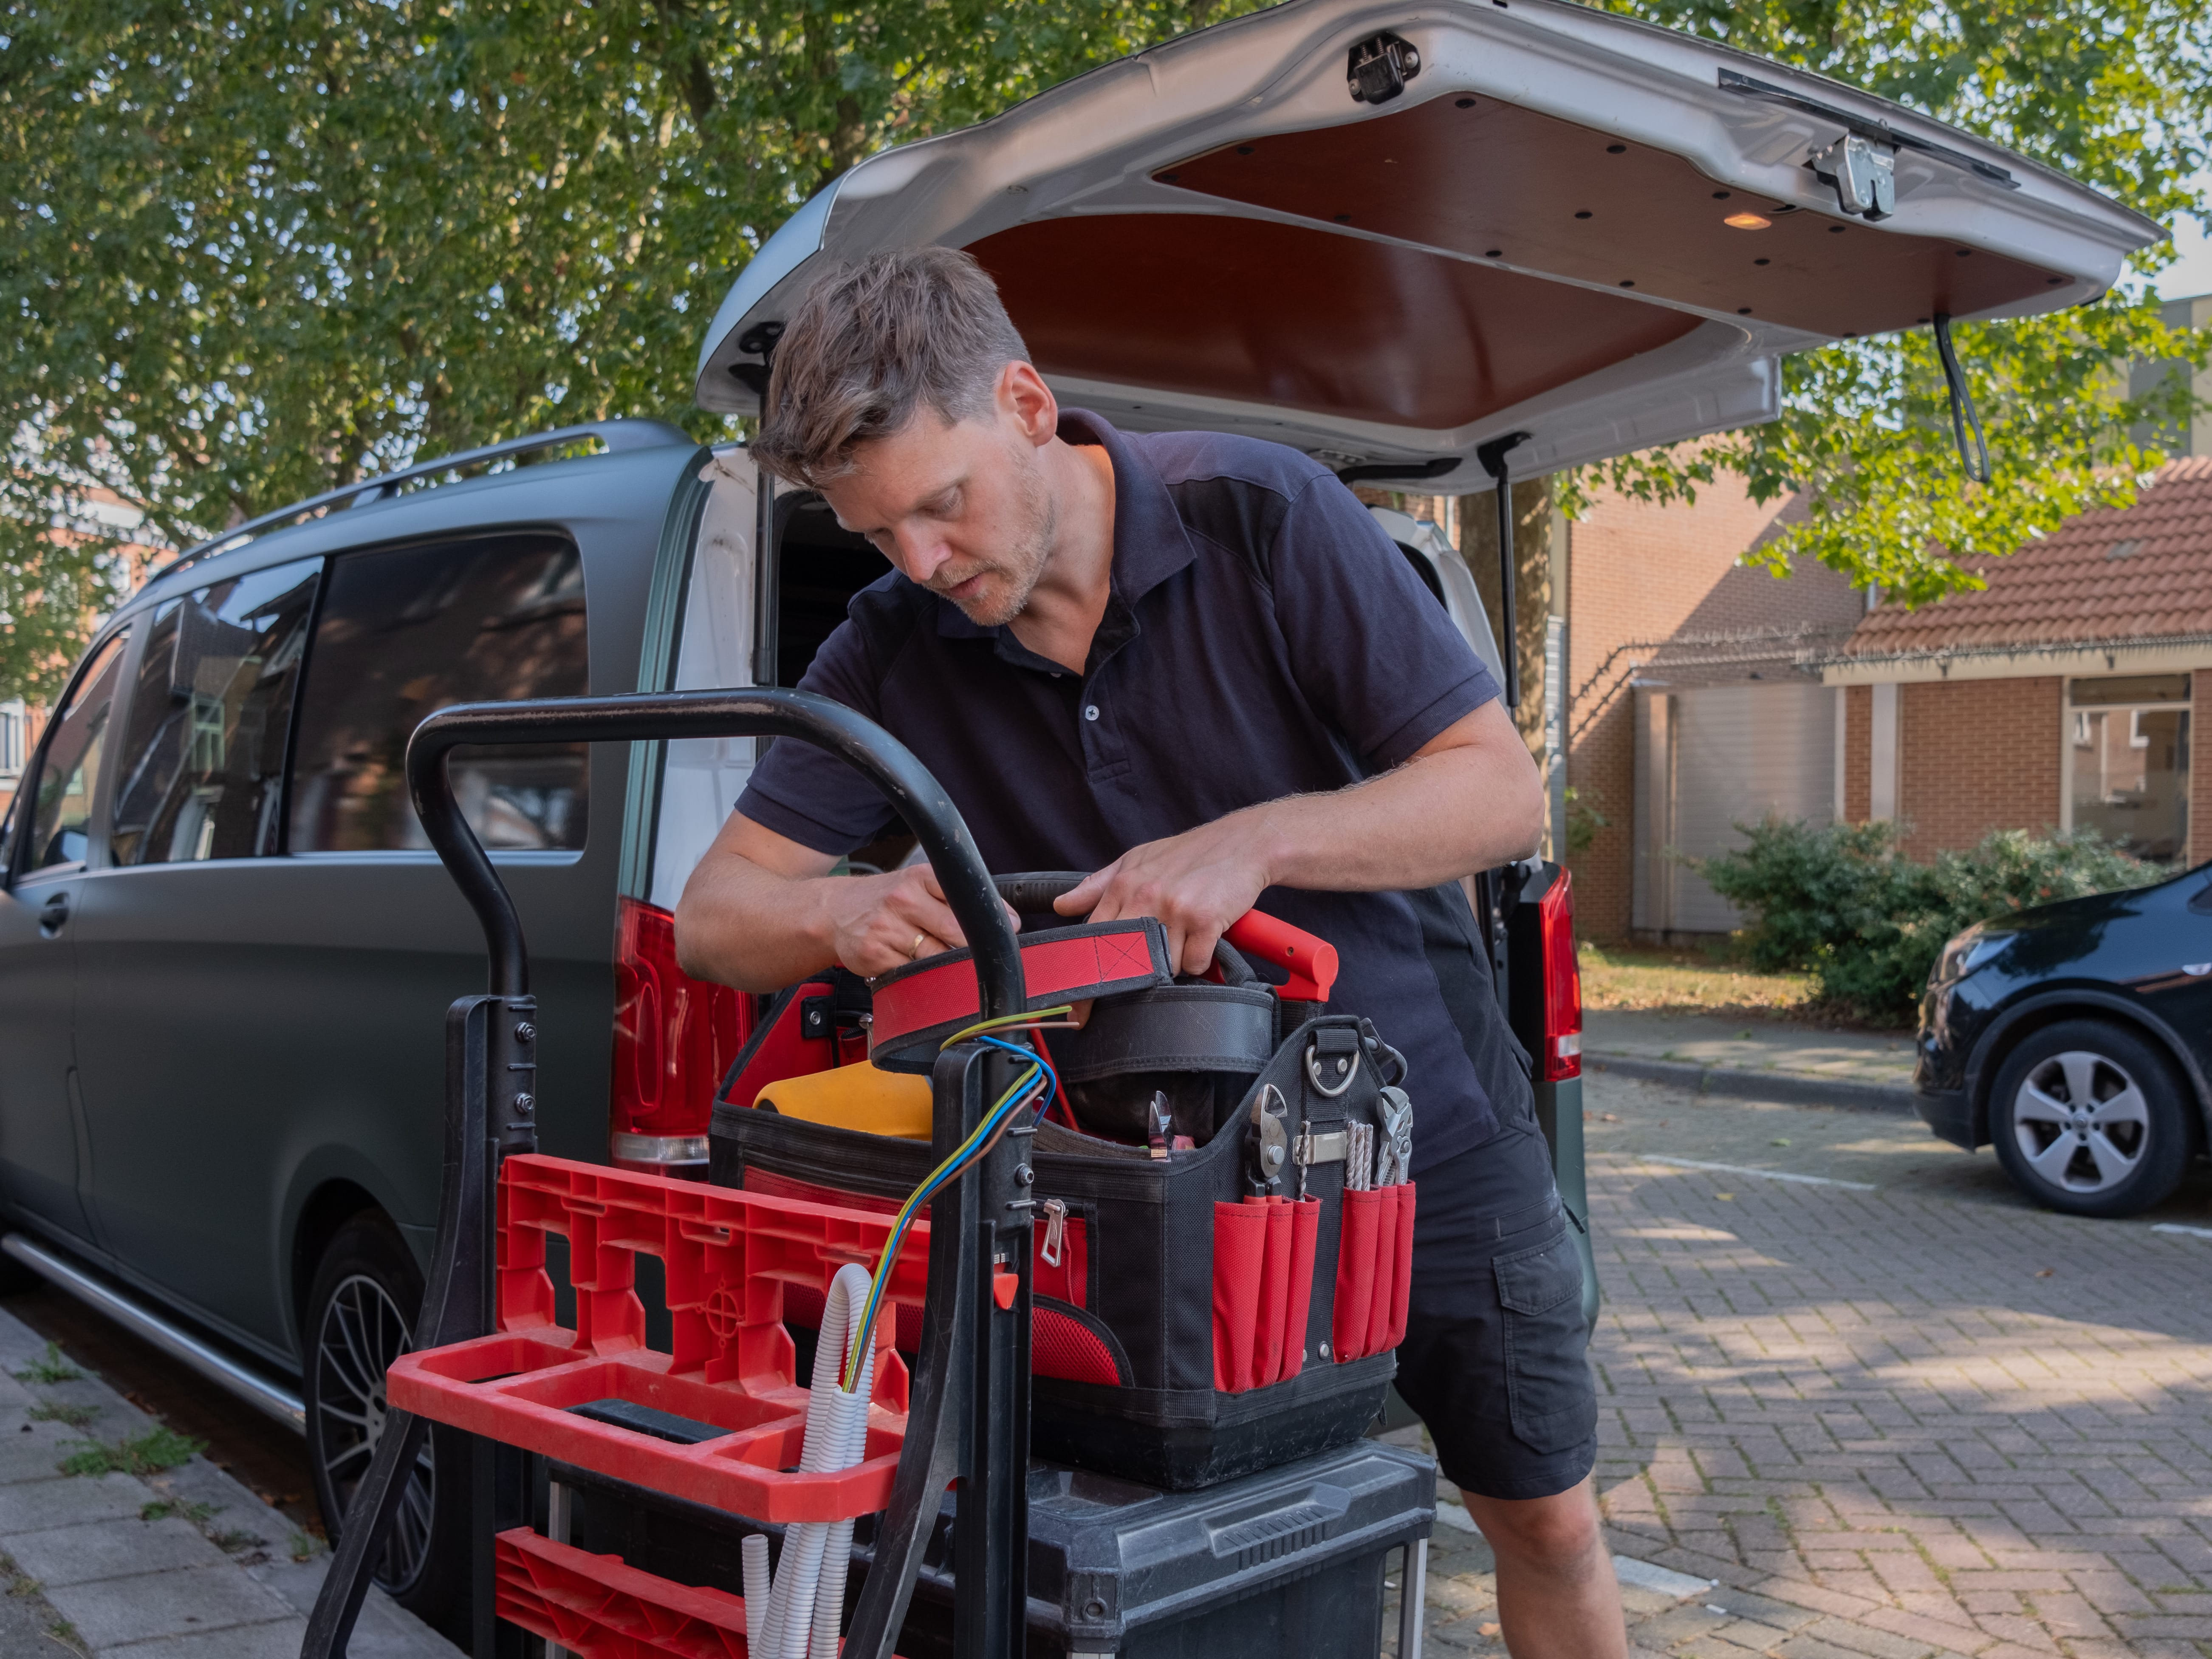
2142	571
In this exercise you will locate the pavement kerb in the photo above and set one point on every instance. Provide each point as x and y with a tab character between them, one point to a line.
1741	1083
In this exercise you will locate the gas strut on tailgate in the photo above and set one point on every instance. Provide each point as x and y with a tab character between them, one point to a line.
970	1408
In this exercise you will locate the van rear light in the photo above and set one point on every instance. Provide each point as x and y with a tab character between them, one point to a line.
1563	982
675	1037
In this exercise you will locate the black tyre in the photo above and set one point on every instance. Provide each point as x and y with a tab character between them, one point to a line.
2091	1119
361	1317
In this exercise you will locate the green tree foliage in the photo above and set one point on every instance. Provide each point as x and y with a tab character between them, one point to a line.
2112	93
258	248
1841	901
261	247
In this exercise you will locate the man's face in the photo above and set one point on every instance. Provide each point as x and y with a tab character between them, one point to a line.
961	506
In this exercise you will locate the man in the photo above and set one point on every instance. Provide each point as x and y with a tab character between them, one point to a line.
1195	666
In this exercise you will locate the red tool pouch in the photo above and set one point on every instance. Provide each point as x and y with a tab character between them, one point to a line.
1263	1262
1373	1272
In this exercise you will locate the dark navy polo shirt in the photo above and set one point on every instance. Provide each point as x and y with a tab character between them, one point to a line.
1263	638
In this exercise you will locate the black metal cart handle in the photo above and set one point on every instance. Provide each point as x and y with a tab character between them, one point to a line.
859	741
491	1064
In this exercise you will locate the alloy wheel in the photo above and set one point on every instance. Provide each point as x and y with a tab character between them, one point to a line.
363	1331
2081	1121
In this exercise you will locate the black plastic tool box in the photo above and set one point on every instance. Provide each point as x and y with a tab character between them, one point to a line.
1289	1562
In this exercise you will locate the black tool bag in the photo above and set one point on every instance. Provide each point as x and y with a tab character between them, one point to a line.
1201	1311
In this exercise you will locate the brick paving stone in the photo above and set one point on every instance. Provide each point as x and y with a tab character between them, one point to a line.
1869	1403
157	1589
111	1611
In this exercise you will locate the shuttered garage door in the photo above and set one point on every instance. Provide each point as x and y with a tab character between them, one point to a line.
1707	758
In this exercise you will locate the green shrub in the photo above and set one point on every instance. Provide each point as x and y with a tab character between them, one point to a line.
1840	902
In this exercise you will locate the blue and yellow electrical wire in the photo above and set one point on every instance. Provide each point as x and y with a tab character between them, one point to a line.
1037	1083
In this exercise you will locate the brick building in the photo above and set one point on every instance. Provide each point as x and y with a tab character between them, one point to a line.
2069	693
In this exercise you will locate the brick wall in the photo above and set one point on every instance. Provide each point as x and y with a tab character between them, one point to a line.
1859	753
1634	573
1974	755
2200	766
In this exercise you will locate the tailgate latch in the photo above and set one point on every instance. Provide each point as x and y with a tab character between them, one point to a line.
1380	67
1863	173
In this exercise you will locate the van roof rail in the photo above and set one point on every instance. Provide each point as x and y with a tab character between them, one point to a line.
616	435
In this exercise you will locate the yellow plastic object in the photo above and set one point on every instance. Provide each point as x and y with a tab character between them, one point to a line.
863	1097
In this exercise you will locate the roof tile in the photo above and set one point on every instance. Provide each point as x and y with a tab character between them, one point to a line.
2139	572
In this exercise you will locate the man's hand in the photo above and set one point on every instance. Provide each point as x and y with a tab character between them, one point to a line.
882	922
1197	884
761	912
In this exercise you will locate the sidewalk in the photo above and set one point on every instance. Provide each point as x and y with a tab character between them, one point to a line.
140	1561
1765	1060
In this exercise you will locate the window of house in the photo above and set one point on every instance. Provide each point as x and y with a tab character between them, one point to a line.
60	824
2127	762
203	758
406	632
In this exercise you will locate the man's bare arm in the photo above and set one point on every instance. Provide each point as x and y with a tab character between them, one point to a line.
762	912
1468	799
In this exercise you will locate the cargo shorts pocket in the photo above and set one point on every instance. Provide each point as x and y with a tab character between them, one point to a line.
1549	1389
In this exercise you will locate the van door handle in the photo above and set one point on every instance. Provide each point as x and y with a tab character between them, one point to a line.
55	916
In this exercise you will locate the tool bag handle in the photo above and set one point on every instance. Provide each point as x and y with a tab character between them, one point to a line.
1309	960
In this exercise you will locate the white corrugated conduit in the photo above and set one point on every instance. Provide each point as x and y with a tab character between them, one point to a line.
801	1611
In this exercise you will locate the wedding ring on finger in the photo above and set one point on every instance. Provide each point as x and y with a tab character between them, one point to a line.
913	949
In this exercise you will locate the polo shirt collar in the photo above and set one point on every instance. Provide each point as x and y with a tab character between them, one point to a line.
1150	542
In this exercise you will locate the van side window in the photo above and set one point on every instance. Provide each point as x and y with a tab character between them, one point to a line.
406	632
69	771
203	760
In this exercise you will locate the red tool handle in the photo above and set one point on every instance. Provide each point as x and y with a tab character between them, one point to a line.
1310	962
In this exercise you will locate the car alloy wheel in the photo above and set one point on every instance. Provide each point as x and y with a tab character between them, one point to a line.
2081	1121
363	1331
2090	1117
360	1318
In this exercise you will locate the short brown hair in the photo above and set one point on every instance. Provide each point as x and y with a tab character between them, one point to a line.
872	341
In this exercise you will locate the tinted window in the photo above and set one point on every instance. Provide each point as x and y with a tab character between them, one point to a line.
203	761
69	772
405	633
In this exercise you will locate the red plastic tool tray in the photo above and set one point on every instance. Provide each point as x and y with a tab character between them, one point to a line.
727	1255
594	1606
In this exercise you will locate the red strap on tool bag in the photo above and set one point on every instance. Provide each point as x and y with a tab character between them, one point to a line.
918	1006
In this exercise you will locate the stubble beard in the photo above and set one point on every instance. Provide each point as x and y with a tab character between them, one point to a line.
1022	564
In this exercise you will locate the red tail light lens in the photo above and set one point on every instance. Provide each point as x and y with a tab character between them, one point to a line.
1563	982
675	1037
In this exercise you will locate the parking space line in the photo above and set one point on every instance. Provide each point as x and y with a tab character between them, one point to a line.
2176	1227
1764	1175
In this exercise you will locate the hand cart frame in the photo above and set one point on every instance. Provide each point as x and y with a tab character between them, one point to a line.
968	1419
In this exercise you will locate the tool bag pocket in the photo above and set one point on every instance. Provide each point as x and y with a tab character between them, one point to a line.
1184	1310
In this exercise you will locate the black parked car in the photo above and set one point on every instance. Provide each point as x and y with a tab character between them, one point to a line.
2077	1037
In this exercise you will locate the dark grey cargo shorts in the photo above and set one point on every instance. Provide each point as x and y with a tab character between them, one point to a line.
1495	1358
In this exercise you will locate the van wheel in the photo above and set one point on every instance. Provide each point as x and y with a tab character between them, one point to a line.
2090	1119
361	1317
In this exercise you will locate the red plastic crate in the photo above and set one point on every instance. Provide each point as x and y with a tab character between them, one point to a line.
597	1608
728	1256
